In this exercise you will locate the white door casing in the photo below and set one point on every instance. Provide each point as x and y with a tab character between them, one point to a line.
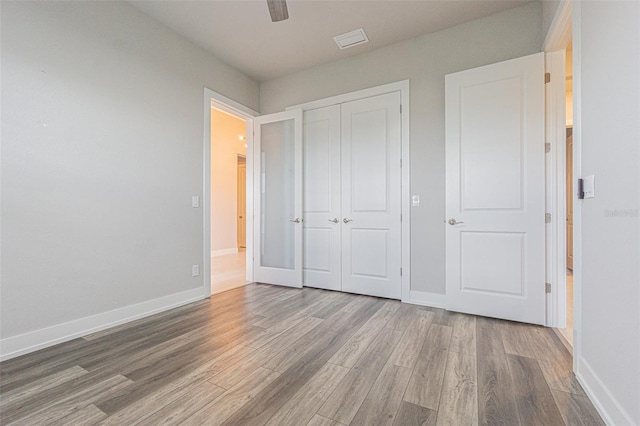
322	216
495	253
371	194
278	198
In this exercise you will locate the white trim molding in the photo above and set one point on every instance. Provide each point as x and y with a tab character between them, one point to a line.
555	189
32	341
607	405
559	34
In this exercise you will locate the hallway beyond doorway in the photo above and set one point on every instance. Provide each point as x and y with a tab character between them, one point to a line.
228	271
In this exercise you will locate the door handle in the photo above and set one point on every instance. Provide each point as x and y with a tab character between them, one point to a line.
296	220
347	220
334	220
452	221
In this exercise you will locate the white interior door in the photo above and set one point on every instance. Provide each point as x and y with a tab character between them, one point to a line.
322	220
371	191
278	198
495	190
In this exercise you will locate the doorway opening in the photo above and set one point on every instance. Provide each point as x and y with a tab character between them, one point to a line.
228	144
228	190
567	332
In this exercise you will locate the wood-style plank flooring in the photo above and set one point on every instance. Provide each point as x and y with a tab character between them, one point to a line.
228	271
266	355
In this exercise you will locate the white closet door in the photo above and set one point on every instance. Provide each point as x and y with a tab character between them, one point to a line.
322	220
371	191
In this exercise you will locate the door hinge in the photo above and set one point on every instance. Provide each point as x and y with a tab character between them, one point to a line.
547	218
401	163
400	108
547	77
547	147
400	217
400	271
547	287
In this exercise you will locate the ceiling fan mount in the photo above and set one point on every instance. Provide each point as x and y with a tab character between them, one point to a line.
278	10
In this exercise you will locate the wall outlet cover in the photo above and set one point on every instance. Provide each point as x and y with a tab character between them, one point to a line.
588	186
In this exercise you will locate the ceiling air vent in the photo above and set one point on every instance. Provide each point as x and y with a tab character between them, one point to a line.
350	39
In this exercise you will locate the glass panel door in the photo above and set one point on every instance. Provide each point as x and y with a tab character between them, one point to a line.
278	202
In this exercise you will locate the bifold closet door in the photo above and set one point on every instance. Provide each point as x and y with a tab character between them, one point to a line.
371	196
321	206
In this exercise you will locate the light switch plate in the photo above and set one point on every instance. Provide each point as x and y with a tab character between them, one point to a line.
415	201
589	186
195	201
195	270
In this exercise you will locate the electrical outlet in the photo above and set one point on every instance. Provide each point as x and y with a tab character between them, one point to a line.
415	201
195	270
195	201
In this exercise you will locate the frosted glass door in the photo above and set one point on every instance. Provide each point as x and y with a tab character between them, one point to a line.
278	174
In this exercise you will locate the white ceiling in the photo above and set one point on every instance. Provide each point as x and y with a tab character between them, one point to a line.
240	32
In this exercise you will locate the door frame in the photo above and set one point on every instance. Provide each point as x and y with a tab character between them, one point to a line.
555	188
214	99
405	199
565	28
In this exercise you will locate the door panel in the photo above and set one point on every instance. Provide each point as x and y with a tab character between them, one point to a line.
491	161
322	198
278	235
371	188
495	190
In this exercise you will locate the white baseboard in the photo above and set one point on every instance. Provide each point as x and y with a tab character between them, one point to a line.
32	341
425	298
223	252
608	407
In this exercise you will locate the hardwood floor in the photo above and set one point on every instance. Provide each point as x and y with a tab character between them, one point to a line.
567	332
266	355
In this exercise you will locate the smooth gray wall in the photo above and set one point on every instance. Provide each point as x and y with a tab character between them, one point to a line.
610	93
424	60
549	9
102	149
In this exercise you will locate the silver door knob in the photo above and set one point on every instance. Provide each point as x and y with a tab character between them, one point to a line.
334	220
296	220
347	220
454	222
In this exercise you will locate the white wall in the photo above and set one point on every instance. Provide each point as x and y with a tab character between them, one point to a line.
102	149
609	76
225	147
424	60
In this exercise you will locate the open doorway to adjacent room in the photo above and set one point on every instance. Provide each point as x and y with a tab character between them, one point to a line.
567	332
228	201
